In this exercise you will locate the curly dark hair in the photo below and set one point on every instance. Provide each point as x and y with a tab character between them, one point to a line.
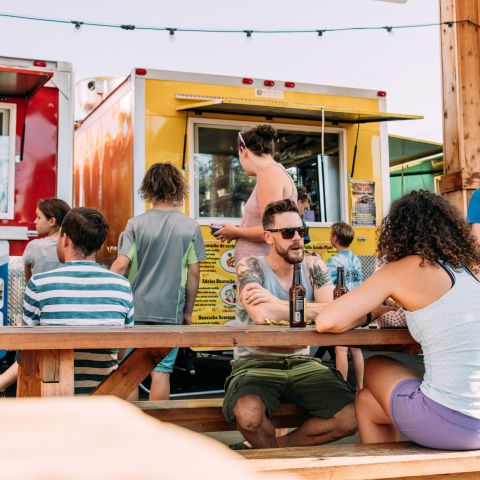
426	224
163	182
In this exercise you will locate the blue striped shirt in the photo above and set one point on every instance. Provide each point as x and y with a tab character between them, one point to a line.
81	293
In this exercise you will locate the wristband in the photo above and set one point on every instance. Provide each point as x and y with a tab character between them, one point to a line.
369	320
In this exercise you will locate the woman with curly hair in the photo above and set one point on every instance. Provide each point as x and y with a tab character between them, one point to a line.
432	265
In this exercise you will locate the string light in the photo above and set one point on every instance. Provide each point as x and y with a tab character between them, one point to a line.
172	30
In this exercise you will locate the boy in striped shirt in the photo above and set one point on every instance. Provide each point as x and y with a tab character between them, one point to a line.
81	293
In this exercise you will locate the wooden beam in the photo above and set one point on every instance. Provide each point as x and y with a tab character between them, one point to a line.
122	382
460	47
169	336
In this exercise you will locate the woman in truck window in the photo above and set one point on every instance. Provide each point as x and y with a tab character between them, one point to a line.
432	265
256	148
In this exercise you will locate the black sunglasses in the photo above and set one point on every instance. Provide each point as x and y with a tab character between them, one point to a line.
289	232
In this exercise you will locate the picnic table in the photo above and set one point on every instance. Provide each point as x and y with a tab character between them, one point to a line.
46	353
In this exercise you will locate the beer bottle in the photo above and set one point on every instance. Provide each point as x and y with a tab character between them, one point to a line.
340	288
297	298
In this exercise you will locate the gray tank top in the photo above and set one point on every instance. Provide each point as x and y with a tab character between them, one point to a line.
272	284
449	332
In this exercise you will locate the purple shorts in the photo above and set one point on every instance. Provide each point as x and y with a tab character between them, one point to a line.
430	424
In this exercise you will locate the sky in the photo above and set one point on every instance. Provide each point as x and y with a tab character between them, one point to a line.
405	63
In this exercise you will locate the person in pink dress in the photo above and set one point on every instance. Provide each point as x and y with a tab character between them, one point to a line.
256	149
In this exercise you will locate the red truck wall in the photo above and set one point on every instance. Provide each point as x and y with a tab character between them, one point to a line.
35	175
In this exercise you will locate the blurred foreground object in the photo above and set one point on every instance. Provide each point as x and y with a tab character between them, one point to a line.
78	438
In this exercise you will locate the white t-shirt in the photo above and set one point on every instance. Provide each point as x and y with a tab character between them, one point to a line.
41	255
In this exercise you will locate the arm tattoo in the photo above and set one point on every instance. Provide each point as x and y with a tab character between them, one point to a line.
250	271
318	276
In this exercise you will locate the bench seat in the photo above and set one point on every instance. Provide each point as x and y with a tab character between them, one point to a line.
400	460
205	414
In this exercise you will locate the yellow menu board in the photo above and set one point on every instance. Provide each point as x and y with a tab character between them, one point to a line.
216	298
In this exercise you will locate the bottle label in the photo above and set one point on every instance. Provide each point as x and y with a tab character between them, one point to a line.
299	308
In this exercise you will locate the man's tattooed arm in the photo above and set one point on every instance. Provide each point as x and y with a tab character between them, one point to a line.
318	272
249	270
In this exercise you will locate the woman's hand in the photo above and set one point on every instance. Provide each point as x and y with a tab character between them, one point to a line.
254	294
227	233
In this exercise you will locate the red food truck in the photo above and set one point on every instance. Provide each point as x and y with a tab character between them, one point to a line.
36	145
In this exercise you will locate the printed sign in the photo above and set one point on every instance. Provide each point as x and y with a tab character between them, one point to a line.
217	294
363	203
268	93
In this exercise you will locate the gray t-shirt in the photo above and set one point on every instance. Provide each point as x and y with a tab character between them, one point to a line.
161	244
272	284
41	255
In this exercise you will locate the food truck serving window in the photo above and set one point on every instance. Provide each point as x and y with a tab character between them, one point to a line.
7	159
222	187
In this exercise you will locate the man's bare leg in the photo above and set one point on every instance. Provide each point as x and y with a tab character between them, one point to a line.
253	423
316	431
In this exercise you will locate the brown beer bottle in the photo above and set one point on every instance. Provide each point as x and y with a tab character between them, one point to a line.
340	288
297	299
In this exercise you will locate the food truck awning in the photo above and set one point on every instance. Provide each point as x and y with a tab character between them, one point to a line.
403	150
22	83
273	108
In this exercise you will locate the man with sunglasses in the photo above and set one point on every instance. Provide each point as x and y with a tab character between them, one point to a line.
263	378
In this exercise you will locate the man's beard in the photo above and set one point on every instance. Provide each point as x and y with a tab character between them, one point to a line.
291	255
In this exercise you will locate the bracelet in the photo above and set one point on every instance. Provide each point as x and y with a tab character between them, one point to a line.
369	320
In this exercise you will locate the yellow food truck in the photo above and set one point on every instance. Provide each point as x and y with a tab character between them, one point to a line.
332	140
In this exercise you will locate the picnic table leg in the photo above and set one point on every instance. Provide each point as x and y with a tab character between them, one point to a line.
45	373
133	370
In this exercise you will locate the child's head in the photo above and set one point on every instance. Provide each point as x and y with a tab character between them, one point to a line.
163	183
49	215
341	235
426	224
86	229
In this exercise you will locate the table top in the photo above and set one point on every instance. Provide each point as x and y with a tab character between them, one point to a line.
65	338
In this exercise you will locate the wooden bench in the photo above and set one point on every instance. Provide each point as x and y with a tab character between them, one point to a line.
402	460
205	415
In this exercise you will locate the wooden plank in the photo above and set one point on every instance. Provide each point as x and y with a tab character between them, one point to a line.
59	338
362	462
205	415
462	180
458	476
45	373
130	372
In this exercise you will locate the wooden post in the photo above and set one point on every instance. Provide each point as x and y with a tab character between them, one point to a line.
460	45
45	373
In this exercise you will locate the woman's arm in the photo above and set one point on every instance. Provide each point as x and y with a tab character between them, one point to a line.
349	311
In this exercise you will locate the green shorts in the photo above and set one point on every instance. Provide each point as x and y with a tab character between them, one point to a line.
306	382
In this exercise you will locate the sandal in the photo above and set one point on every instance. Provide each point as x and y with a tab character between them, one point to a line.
240	446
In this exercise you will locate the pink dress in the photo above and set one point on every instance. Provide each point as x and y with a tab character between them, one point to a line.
253	218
